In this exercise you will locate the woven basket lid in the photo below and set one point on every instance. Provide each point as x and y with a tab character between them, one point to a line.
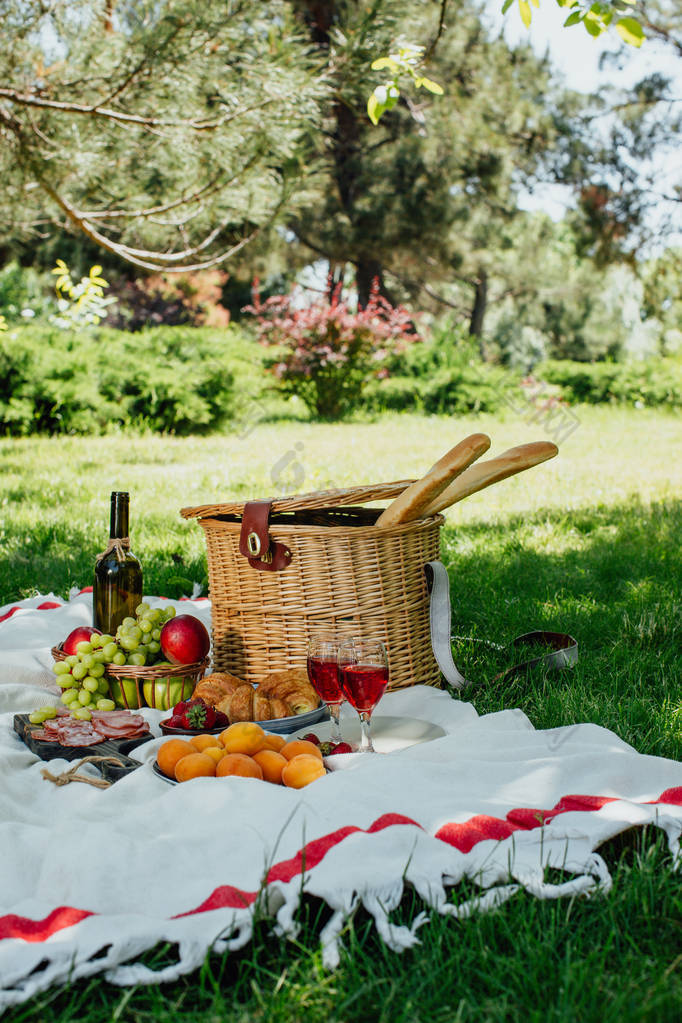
299	502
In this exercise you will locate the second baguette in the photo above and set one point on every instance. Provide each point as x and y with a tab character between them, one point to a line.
482	475
411	503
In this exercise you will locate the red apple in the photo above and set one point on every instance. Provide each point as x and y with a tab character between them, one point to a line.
83	632
184	640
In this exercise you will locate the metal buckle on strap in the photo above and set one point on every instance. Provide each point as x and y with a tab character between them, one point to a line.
253	543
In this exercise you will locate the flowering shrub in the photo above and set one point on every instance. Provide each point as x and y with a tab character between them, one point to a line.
325	353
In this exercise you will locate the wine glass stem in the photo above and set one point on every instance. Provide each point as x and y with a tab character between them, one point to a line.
335	733
366	738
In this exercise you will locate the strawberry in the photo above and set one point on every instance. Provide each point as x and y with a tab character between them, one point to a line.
311	737
210	718
175	721
342	747
195	716
326	748
180	708
221	720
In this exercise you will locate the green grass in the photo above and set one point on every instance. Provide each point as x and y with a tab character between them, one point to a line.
589	544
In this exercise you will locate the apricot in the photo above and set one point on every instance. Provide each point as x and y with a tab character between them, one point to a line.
195	765
274	742
298	746
301	770
243	737
215	752
204	741
171	752
238	764
271	764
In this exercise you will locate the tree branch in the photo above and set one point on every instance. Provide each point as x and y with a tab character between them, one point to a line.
146	259
119	116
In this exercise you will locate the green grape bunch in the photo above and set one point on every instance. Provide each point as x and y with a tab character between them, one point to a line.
82	676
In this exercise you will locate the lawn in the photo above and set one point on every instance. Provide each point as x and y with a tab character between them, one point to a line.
589	543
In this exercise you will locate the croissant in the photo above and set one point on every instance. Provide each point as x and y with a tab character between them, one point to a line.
291	685
281	694
246	704
214	688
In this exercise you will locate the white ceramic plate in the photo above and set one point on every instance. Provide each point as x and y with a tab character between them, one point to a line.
388	733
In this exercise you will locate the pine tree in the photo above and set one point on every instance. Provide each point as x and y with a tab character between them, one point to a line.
167	133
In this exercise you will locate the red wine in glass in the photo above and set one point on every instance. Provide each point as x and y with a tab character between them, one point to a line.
364	676
324	678
323	672
364	685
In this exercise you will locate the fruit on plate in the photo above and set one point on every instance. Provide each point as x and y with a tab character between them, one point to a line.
301	770
195	715
171	752
163	693
241	750
184	640
82	633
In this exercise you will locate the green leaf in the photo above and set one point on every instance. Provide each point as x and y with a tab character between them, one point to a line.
374	109
592	24
506	5
524	9
536	3
573	19
381	62
429	86
630	31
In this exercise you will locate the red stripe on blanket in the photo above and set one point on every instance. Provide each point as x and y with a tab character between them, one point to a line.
12	926
48	605
313	853
463	836
482	828
225	897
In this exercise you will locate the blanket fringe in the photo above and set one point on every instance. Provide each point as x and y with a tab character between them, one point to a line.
280	902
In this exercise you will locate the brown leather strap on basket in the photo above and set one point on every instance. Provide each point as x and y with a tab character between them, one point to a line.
255	543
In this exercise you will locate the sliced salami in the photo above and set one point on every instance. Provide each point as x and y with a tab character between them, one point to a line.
79	737
120	724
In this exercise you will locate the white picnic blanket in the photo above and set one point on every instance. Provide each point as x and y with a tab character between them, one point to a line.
92	878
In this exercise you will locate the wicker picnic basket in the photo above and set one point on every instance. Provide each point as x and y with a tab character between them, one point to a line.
342	574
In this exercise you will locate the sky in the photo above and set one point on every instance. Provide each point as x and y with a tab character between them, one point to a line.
576	55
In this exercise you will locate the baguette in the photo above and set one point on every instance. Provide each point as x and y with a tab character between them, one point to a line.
491	471
417	498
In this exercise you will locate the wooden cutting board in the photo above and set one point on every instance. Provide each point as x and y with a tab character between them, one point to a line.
119	749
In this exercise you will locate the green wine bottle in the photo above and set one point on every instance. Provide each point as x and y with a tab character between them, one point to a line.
117	588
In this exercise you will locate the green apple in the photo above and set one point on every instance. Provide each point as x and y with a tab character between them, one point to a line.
163	693
124	687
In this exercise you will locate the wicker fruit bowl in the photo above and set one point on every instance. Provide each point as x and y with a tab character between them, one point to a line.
158	685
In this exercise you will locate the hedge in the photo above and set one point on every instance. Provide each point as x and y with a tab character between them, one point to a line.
169	379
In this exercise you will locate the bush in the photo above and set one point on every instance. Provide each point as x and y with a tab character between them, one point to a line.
651	383
172	379
326	353
24	294
443	375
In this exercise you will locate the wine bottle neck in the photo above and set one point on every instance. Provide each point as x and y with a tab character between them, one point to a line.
118	529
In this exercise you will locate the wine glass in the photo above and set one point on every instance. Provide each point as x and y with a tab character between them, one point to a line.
323	672
363	668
